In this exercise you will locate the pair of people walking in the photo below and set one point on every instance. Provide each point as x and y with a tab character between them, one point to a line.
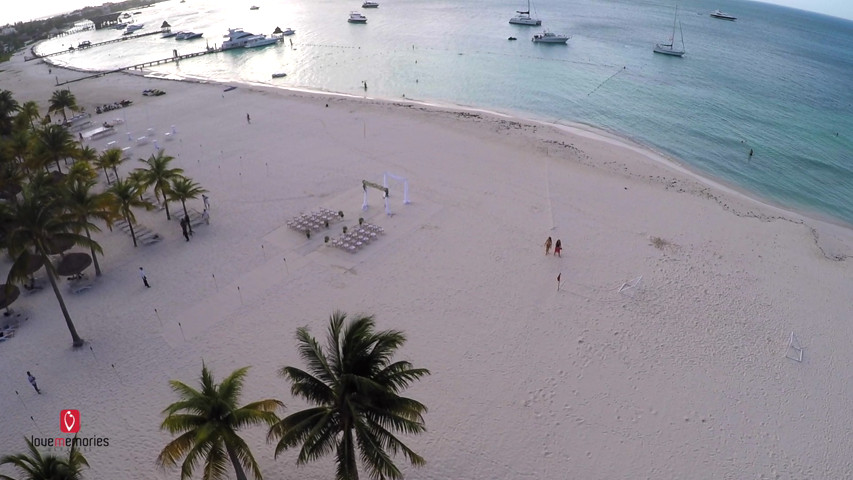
558	247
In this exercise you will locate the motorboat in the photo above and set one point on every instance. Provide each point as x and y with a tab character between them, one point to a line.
524	18
279	75
369	5
356	17
187	35
288	31
723	16
84	44
125	15
169	34
550	37
120	26
238	38
512	38
134	27
254	7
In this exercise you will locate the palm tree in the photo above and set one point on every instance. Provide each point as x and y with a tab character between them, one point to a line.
159	175
34	466
37	222
184	189
30	111
207	421
8	107
355	387
110	158
83	204
62	99
126	197
54	142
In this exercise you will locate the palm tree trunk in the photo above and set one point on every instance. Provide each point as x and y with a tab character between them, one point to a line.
94	258
115	170
107	175
132	234
238	468
346	456
184	203
76	340
166	204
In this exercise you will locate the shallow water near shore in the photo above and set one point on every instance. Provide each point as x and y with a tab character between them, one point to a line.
776	81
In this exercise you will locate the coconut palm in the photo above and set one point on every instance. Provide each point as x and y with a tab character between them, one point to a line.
126	198
62	99
355	387
84	204
184	189
159	175
36	223
207	421
54	142
110	158
29	112
35	466
8	107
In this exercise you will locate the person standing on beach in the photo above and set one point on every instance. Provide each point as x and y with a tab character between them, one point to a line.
248	119
558	281
558	247
206	201
548	246
184	229
32	380
144	277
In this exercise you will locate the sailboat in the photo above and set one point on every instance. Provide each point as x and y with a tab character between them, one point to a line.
524	18
669	48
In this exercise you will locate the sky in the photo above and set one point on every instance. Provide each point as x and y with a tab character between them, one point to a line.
15	11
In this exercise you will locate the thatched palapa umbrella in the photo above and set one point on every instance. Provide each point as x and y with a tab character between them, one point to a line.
73	263
8	294
58	245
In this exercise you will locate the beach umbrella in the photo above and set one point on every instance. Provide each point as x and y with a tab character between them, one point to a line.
277	31
56	246
8	294
165	24
73	263
34	263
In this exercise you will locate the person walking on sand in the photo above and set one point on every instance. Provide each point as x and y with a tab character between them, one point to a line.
184	229
32	380
558	247
144	277
248	119
206	201
548	246
558	280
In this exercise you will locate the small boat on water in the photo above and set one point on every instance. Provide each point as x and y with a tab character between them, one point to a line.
512	38
288	31
187	35
356	17
169	34
132	28
524	18
279	75
84	44
550	37
669	48
254	7
369	5
723	16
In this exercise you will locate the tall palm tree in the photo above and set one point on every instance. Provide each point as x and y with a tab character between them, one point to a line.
8	107
207	421
30	111
62	99
355	387
126	198
36	222
54	142
183	189
110	158
35	466
84	204
159	175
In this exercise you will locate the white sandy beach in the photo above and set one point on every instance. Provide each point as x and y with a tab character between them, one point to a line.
685	376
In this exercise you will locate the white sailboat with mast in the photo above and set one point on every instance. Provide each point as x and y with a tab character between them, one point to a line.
524	18
669	48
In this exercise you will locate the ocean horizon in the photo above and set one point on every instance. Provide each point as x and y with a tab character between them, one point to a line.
775	82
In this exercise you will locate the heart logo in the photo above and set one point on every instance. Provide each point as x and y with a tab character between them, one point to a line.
69	421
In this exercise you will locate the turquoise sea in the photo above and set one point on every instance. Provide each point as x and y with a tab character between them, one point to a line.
777	81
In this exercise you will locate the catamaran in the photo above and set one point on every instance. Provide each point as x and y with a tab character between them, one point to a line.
669	48
524	18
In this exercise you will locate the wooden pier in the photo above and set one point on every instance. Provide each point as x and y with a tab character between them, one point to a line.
120	39
138	66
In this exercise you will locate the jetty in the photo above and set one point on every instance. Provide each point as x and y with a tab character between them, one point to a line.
37	56
150	63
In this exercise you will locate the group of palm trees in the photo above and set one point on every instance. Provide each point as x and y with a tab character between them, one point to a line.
41	208
353	383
